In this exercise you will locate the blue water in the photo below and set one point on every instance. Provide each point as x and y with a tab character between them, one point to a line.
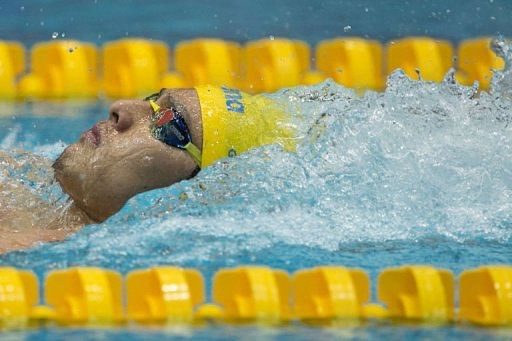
171	21
418	174
293	332
421	173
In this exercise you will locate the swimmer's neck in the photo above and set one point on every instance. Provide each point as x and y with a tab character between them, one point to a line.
76	214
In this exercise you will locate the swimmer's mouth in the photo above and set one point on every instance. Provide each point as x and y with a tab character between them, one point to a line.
93	135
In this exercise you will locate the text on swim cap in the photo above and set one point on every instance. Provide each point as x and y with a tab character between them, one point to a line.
233	100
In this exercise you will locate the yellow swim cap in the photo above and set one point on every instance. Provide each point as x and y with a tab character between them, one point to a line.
234	122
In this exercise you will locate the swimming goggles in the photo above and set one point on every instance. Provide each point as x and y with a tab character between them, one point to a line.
169	126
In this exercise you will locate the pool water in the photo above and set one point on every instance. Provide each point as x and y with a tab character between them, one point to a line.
100	21
418	174
293	332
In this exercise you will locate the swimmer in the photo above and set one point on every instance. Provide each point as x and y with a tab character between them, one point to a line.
161	140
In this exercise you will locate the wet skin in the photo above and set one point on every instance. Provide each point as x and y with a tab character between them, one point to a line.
118	158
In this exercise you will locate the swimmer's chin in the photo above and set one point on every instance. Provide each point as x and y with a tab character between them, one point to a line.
94	214
70	184
79	203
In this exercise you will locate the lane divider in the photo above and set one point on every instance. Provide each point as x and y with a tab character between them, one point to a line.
137	67
12	64
486	295
84	296
133	67
203	61
422	57
353	62
251	294
274	64
417	293
476	61
163	294
61	69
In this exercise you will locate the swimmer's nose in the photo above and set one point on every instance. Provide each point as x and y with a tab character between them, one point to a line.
122	113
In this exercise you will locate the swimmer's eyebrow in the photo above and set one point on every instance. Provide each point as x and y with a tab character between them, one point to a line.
171	100
155	96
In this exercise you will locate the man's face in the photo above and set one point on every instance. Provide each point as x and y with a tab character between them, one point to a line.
118	158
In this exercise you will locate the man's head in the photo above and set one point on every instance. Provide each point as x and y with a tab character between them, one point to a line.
118	157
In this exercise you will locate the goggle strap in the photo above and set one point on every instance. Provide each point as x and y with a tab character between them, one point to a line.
154	106
189	147
194	152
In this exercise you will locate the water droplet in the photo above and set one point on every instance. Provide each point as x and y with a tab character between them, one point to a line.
347	28
63	34
366	9
22	8
271	37
99	36
55	35
41	23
